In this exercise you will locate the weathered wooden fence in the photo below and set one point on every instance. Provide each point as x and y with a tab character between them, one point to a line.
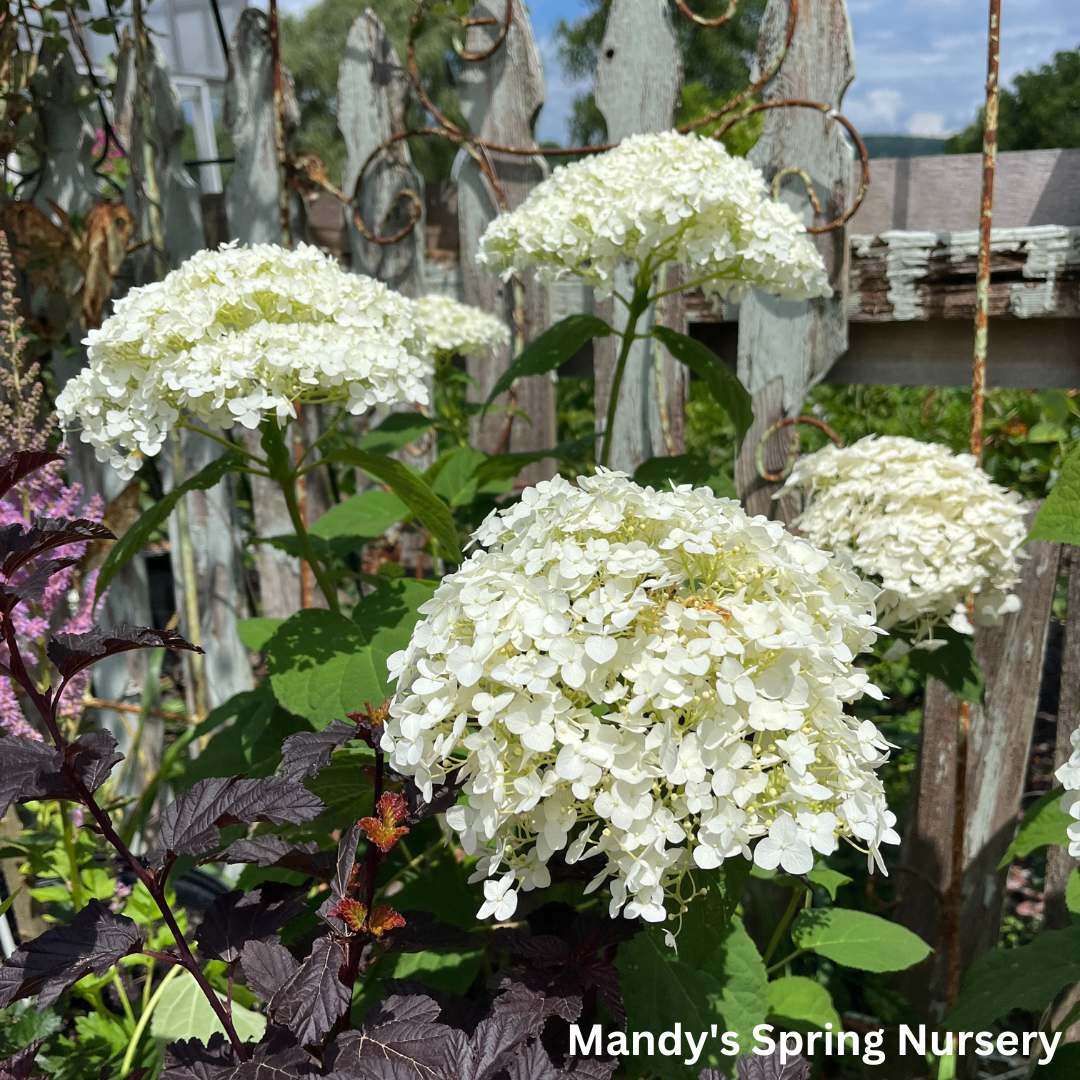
901	270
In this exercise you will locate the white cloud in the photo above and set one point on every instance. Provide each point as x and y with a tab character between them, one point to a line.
931	124
876	110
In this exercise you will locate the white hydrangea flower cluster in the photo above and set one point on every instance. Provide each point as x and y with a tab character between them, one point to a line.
926	523
665	197
237	335
653	677
1069	775
453	328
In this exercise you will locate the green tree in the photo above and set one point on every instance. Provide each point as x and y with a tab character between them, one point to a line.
312	45
716	66
1040	111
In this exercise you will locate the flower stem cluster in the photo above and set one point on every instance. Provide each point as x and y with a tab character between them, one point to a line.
929	525
652	677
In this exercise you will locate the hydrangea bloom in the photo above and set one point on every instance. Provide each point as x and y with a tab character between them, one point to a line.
650	676
237	335
453	328
926	523
1069	775
665	197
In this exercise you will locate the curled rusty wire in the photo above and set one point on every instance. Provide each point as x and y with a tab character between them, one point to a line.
481	150
709	24
793	454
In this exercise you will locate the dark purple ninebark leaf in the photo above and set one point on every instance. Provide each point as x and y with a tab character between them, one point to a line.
18	466
19	544
516	1016
401	1040
92	942
21	1064
267	965
304	754
190	825
22	761
73	652
192	1059
422	931
443	796
768	1067
532	1063
235	918
310	1003
32	770
591	1068
304	858
34	585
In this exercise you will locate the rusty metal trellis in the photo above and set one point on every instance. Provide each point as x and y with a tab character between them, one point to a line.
307	169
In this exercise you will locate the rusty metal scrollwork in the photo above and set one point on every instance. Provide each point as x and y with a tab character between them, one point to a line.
306	169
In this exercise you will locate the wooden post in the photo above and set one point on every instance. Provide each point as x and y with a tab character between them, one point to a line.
1059	863
253	197
638	75
797	342
1011	657
373	93
500	98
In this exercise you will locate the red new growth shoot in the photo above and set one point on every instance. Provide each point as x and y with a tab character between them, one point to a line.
385	830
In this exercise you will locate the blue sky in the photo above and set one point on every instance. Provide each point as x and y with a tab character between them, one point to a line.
921	63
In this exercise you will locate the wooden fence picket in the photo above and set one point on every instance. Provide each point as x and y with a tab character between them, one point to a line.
500	98
638	77
373	93
785	347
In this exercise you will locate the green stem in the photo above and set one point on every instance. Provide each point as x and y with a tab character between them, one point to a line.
784	963
147	1012
636	309
78	898
778	934
287	483
119	984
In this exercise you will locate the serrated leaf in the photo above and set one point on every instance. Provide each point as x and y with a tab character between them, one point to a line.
858	939
1072	893
363	517
770	1067
395	432
324	665
1028	977
724	985
20	544
501	468
71	653
422	502
829	880
268	966
311	1000
255	633
191	824
234	918
723	383
953	663
1044	823
454	480
802	999
184	1013
304	754
304	857
18	466
93	941
679	469
1058	519
136	537
553	347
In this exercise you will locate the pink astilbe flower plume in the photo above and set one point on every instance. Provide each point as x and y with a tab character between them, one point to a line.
43	495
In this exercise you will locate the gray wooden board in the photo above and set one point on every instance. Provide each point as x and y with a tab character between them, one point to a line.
638	77
798	341
373	92
500	99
